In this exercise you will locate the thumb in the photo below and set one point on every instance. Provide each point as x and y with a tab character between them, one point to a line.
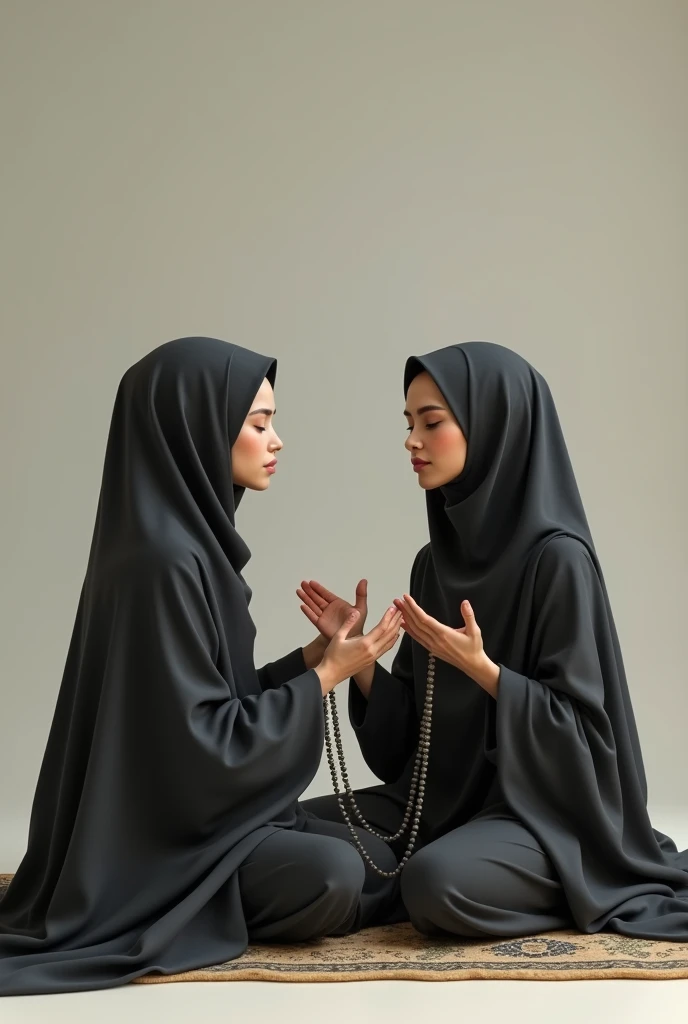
348	623
361	594
469	618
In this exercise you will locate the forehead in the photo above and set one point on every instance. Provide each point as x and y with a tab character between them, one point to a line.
264	394
423	390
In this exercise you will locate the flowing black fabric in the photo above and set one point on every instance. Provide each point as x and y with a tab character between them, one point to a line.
169	758
559	744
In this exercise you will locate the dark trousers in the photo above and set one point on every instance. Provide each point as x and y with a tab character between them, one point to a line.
490	877
299	885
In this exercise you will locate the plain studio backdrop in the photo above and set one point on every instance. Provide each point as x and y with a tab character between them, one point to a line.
342	185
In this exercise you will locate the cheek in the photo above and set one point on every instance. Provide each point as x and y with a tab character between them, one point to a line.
443	442
449	446
249	444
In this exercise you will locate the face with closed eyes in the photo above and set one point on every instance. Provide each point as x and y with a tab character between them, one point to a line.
436	442
253	452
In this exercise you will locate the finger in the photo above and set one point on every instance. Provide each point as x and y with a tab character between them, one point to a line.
429	628
322	591
378	631
307	600
348	624
421	643
315	597
389	637
362	594
310	614
394	617
395	623
412	633
416	609
392	630
389	644
407	611
469	618
421	630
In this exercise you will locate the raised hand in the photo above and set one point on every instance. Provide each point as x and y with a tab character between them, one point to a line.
346	654
462	647
328	612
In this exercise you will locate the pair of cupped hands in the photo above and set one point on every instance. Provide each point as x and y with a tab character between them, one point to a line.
347	651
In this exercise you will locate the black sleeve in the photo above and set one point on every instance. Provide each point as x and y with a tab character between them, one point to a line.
245	756
281	671
557	752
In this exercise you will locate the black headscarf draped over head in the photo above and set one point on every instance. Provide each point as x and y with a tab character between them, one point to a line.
170	757
177	413
517	489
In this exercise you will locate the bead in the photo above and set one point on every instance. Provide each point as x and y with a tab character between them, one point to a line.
416	788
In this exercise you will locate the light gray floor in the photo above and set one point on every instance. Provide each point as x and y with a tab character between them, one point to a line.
510	1002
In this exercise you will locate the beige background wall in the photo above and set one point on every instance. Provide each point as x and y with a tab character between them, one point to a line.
342	185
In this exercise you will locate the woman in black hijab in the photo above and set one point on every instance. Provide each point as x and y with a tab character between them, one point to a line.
535	814
165	829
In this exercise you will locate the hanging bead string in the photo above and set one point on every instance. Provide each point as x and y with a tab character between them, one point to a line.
347	785
420	771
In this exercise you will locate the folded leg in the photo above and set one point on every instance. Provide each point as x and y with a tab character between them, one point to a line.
489	877
299	885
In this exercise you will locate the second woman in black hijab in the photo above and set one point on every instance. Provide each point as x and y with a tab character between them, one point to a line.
535	814
165	831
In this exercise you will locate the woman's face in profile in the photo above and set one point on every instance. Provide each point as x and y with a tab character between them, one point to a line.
253	452
436	442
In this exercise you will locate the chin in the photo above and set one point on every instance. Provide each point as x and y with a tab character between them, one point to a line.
433	483
426	485
256	485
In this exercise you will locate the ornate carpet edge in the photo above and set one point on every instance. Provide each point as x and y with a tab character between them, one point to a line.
414	974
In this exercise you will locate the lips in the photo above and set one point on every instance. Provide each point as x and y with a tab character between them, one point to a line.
272	464
416	463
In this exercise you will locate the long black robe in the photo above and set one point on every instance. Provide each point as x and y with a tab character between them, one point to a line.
559	743
169	758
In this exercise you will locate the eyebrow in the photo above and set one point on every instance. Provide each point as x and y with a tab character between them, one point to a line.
262	412
427	408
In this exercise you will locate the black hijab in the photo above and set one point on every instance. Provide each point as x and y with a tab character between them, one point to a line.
559	744
517	489
167	762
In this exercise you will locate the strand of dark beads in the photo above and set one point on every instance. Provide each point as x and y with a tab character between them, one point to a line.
347	785
419	776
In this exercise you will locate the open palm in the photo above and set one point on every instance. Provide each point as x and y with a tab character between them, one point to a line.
328	612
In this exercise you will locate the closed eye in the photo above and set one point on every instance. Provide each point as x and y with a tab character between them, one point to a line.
429	426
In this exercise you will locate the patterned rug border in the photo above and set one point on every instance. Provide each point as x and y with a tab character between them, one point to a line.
610	969
634	972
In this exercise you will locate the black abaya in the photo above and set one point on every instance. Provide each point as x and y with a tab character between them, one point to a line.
170	760
558	749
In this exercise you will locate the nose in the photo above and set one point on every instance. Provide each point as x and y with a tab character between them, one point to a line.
411	444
